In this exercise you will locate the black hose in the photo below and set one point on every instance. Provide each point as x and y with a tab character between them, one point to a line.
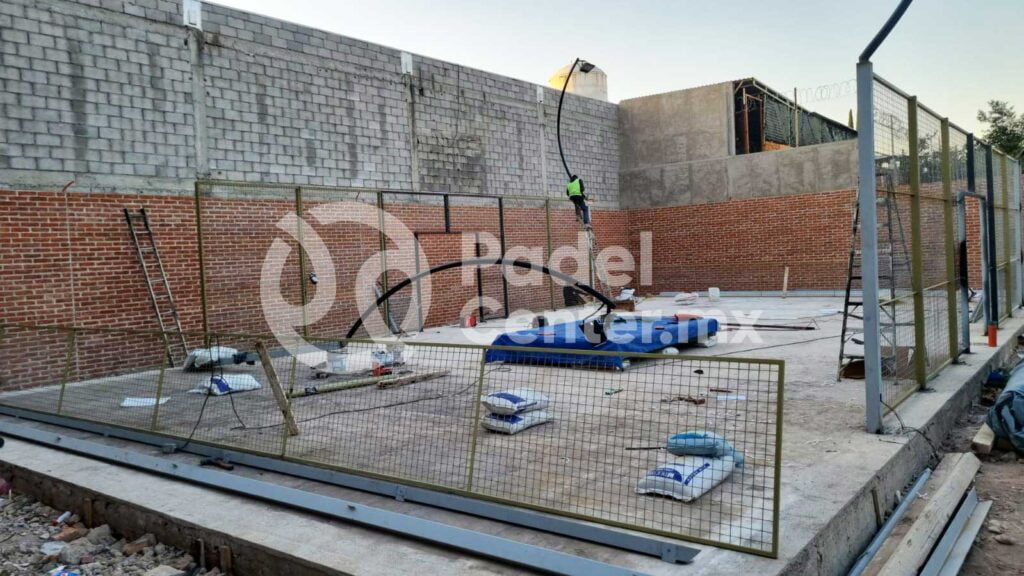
572	282
558	121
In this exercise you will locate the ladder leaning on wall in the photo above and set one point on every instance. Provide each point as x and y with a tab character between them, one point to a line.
159	288
893	266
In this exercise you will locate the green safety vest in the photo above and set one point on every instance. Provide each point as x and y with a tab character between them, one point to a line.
573	188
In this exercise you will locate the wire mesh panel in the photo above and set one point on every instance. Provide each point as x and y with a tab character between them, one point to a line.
240	224
680	446
894	217
1018	241
969	222
935	277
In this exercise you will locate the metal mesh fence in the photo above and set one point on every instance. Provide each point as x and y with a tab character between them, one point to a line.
366	241
413	413
921	164
894	209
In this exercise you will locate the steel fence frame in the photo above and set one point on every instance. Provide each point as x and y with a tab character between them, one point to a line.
71	383
937	340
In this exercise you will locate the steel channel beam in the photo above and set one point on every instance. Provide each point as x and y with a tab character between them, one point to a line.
951	241
501	549
993	261
876	543
945	545
917	249
964	543
633	542
501	239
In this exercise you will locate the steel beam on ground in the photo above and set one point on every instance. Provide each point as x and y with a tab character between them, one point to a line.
667	550
478	543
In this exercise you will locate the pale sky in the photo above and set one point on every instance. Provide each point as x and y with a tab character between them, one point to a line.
954	54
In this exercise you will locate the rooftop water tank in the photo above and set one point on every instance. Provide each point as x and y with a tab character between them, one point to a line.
593	84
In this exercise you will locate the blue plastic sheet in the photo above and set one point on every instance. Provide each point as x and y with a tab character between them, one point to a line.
1006	417
702	443
633	335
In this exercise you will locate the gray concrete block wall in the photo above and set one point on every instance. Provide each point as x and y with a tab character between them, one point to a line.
677	148
102	91
85	90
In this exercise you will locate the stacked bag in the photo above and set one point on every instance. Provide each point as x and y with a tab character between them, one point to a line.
705	460
512	411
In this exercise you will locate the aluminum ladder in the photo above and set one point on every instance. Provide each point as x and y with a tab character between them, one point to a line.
164	307
894	269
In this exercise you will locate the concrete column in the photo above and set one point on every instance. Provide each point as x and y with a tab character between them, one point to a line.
409	78
196	43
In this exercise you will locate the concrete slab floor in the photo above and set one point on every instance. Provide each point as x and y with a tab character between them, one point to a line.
829	464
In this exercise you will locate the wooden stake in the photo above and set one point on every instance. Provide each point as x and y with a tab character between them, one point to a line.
906	550
785	281
275	386
983	440
388	381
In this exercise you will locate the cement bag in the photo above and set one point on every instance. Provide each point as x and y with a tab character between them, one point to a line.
514	423
1006	416
688	478
703	443
514	401
220	385
205	357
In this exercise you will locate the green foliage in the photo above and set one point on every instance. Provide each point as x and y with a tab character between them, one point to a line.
1005	128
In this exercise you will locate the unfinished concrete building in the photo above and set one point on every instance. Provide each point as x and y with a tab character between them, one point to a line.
160	160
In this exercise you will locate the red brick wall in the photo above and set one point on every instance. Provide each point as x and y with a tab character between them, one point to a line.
67	259
746	244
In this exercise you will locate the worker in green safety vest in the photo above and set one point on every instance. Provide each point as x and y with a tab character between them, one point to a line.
574	190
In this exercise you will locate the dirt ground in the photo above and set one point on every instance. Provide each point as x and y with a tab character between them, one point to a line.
999	547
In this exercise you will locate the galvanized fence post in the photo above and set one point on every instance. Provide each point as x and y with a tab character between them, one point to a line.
475	424
383	254
302	261
993	257
547	230
866	197
916	247
72	342
202	265
1007	240
948	227
159	392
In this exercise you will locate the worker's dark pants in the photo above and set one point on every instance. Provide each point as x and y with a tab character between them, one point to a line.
582	209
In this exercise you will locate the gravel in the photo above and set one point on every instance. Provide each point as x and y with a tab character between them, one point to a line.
31	543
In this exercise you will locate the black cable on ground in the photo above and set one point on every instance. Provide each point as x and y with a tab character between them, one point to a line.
777	345
198	420
904	427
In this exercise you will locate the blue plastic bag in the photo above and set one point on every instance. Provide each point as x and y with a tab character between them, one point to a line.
1006	416
703	443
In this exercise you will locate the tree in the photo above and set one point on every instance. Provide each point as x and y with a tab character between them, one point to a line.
1005	128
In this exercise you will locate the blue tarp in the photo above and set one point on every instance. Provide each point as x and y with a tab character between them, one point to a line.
634	335
1006	417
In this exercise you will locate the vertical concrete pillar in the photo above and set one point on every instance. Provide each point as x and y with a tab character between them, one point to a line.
409	80
196	43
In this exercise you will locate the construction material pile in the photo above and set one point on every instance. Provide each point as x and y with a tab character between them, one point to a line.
512	411
704	460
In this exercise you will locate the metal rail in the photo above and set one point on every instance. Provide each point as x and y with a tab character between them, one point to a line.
495	547
668	551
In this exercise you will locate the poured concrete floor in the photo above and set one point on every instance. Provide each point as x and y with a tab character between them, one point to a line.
828	461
